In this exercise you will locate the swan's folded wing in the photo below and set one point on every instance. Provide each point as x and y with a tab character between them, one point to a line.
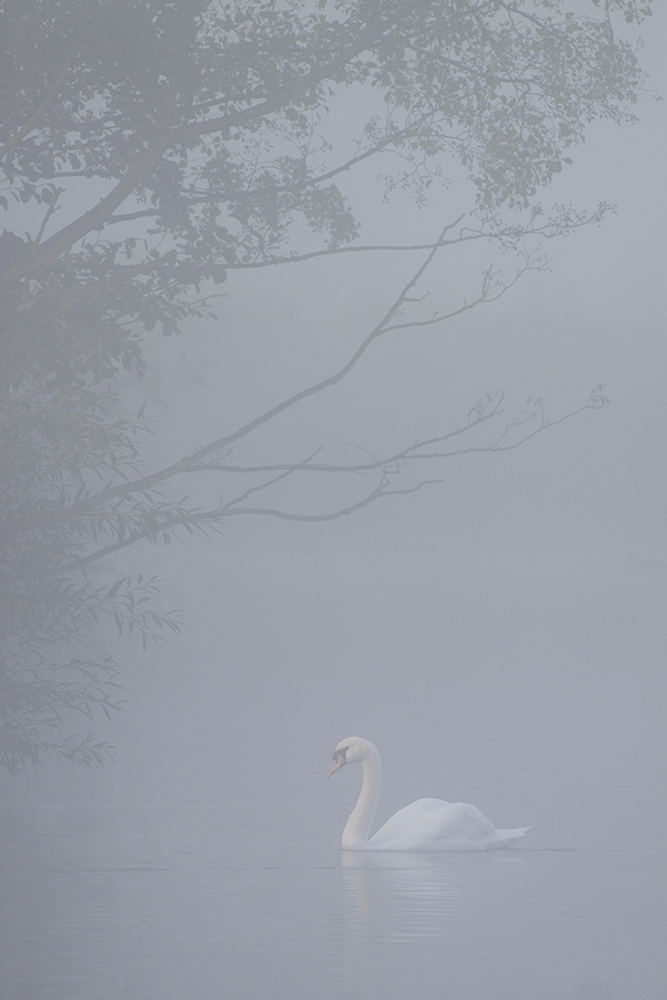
434	825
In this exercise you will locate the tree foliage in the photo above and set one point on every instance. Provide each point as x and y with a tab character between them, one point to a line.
150	149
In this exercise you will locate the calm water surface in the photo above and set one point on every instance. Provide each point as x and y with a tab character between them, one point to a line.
204	903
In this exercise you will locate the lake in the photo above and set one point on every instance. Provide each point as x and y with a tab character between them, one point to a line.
196	904
204	862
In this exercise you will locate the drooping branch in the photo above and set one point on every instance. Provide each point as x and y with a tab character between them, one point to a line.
90	506
388	468
149	481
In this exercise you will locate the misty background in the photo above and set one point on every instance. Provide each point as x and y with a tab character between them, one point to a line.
499	636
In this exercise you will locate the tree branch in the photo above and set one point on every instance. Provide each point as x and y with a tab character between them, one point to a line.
191	462
147	482
389	466
211	517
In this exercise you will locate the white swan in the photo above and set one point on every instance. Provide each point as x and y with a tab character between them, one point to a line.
425	825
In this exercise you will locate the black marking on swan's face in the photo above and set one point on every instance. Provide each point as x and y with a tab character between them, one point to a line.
339	753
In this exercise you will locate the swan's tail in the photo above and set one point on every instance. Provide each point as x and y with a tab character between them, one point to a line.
503	837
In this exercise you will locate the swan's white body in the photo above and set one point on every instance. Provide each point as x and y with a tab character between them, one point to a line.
424	825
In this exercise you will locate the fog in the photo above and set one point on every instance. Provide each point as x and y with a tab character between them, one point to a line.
499	636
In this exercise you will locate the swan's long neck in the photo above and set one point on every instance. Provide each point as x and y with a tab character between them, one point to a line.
358	826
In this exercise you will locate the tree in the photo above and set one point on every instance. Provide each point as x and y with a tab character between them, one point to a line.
181	142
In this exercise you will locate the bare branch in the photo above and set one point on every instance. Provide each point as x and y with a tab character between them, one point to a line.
130	216
209	518
193	462
287	471
147	482
53	207
483	411
388	466
491	281
341	512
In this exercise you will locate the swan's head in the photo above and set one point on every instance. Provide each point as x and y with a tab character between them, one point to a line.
350	751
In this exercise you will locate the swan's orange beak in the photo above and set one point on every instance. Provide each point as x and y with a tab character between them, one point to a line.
340	760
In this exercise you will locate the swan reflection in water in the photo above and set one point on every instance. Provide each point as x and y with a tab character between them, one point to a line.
429	924
420	873
415	895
